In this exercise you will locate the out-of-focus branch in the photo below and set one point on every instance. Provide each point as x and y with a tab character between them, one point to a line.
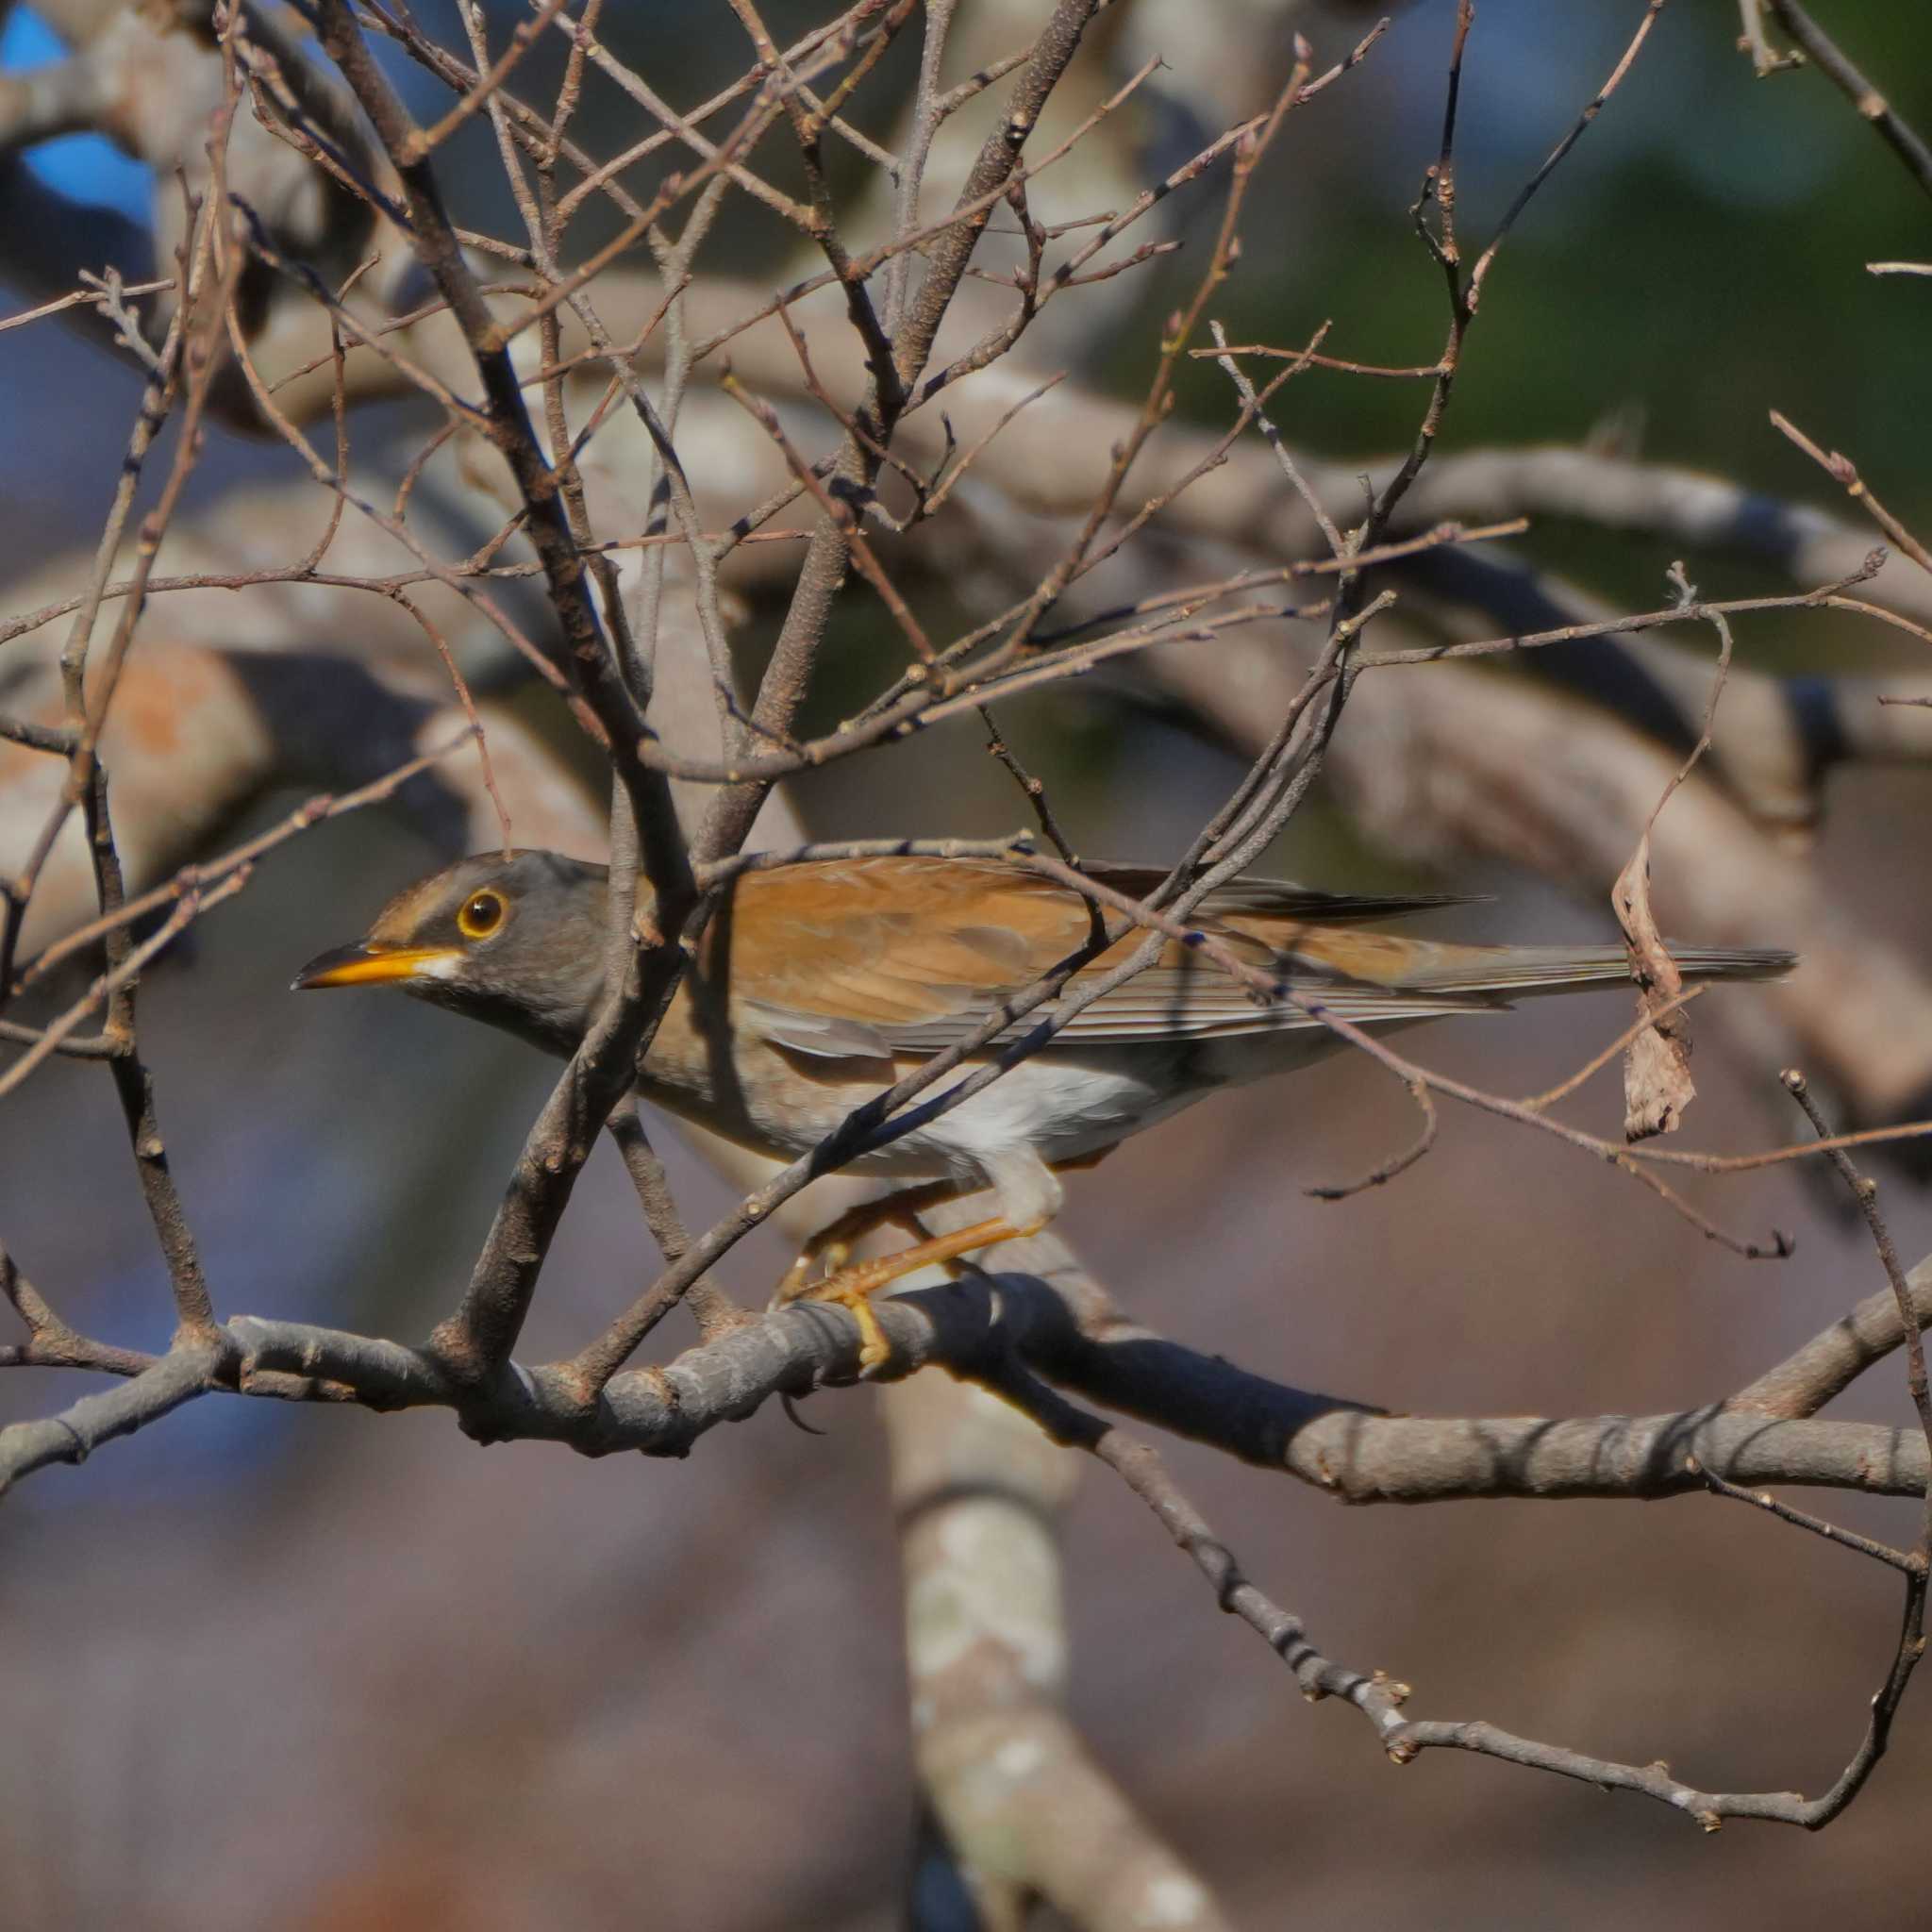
1022	1808
1774	737
1453	762
783	687
151	81
248	721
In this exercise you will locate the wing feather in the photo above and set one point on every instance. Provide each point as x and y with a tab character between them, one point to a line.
868	958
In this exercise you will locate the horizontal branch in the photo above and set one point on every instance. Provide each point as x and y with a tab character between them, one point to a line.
1345	1448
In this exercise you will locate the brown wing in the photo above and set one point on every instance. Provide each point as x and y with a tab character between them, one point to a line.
1279	899
871	957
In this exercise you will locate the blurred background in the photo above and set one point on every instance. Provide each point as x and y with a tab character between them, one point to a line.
351	1670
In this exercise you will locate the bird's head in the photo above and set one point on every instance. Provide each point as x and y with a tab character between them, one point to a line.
515	938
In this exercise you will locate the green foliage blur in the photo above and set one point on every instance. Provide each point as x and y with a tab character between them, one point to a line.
1698	260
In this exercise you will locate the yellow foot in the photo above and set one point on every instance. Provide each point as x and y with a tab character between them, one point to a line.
853	1287
874	1351
844	1288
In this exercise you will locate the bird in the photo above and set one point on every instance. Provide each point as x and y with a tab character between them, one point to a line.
815	986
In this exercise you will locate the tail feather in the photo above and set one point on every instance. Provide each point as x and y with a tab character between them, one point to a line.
1530	970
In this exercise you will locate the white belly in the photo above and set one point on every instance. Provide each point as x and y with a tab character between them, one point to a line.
1062	1106
1067	1106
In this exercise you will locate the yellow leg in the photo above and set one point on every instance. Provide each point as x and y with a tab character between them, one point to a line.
852	1286
831	1248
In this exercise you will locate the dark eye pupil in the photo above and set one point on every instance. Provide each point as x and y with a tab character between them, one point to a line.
482	912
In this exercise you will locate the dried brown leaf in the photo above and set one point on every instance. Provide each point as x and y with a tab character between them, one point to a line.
1657	1086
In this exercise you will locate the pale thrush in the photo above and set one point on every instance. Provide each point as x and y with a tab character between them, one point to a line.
817	986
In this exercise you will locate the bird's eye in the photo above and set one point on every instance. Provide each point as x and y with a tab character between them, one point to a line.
482	915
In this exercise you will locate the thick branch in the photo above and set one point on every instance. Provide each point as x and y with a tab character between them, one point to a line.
1355	1454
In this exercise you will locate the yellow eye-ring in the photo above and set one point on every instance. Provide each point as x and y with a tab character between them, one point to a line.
482	915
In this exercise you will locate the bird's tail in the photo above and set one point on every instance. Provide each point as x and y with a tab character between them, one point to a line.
1515	972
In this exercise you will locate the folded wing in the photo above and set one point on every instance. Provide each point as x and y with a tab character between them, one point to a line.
872	957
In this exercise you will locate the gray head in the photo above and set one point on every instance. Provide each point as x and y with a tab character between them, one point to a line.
514	938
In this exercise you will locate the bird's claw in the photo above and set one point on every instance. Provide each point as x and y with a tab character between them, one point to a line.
843	1286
